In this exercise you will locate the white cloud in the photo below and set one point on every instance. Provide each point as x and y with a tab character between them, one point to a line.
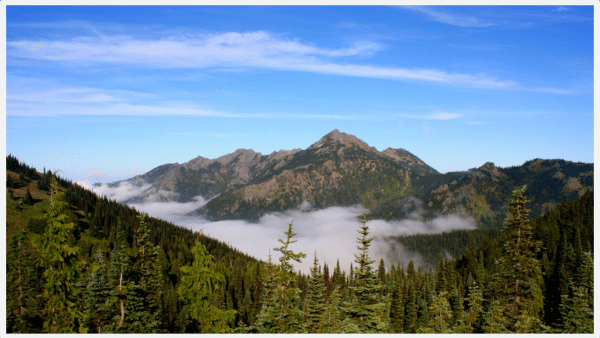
152	206
120	193
233	50
331	232
451	18
434	116
22	101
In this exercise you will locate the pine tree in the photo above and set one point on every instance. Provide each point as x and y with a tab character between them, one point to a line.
316	299
289	315
577	309
397	308
150	312
331	320
517	283
198	283
61	268
265	320
494	320
122	287
410	320
28	199
440	315
473	315
22	304
96	295
367	313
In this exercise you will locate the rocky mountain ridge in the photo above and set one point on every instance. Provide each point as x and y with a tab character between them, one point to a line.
342	170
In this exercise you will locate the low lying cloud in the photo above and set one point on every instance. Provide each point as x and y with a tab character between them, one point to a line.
155	208
332	232
119	193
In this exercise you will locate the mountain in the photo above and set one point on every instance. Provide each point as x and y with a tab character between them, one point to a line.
342	170
337	170
483	192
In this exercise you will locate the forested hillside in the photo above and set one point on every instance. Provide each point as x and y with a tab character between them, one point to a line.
80	263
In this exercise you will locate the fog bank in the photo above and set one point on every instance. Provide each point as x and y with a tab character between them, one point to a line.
332	233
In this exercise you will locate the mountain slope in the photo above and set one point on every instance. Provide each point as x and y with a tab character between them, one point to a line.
482	192
342	170
337	170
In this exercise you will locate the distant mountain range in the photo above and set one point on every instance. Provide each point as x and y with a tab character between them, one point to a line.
341	170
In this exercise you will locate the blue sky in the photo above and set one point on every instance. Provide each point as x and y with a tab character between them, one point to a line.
106	93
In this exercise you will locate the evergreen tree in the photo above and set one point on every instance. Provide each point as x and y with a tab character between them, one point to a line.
338	278
577	309
494	320
410	320
122	287
473	315
28	199
367	313
397	308
198	283
22	304
289	315
61	268
96	296
316	299
440	315
517	283
265	321
331	321
150	313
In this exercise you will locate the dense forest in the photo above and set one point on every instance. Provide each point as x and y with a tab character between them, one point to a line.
77	262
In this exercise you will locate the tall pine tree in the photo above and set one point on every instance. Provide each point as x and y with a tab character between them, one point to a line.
518	280
61	267
198	283
316	298
367	313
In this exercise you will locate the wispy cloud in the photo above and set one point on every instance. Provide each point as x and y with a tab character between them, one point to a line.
483	47
72	95
234	51
434	116
453	19
107	107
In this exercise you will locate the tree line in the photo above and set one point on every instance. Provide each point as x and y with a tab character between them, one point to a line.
89	264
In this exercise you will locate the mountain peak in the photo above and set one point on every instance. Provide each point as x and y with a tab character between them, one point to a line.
343	138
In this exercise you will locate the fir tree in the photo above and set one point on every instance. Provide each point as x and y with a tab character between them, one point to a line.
367	313
198	283
150	311
577	309
265	321
331	319
61	268
316	299
289	315
122	287
473	315
96	296
440	315
22	304
494	320
397	308
28	199
517	283
410	320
